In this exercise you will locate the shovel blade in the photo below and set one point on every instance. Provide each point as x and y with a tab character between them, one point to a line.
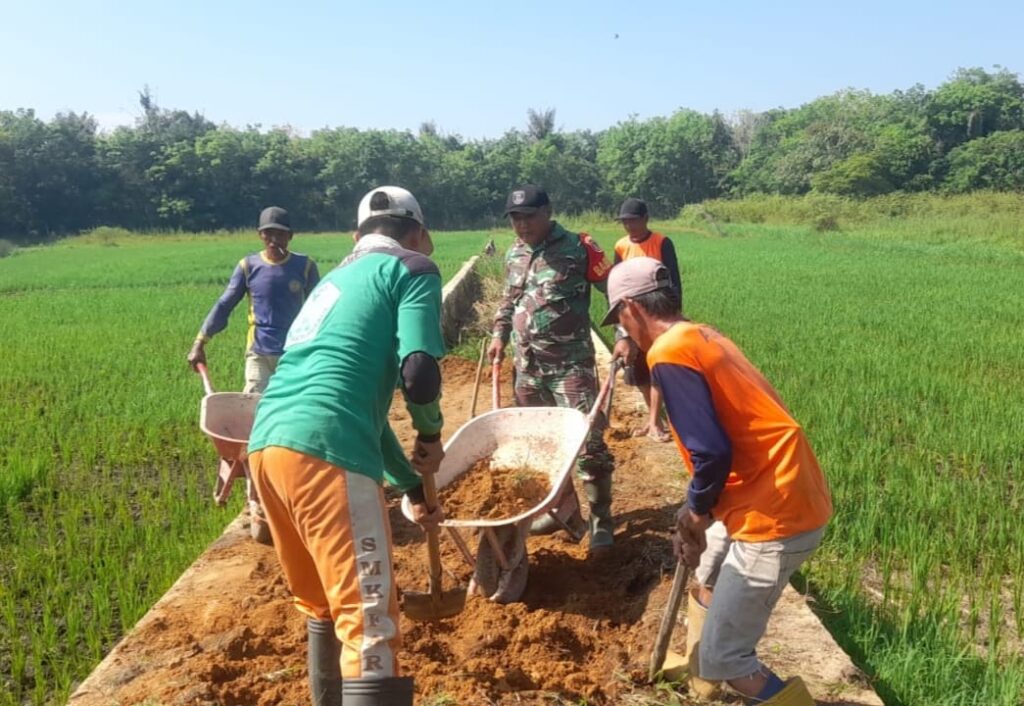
427	606
676	667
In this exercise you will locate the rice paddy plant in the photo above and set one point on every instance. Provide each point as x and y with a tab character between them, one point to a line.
899	350
901	355
105	478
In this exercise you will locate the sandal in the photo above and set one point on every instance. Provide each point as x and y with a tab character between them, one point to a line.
660	435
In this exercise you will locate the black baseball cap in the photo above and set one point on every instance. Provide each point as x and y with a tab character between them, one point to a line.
527	198
275	218
632	208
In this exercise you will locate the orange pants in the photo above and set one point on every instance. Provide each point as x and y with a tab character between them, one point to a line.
332	536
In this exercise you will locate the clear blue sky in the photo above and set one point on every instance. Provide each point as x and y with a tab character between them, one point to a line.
476	67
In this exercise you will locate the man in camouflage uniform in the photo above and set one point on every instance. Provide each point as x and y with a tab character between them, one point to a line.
545	311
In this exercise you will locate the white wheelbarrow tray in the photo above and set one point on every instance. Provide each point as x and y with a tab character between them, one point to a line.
547	439
227	417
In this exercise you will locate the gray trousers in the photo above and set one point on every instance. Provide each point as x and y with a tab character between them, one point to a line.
747	578
258	369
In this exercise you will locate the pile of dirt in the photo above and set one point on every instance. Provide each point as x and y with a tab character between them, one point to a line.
582	630
487	493
228	635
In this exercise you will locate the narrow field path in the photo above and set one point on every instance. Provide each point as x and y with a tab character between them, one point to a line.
226	633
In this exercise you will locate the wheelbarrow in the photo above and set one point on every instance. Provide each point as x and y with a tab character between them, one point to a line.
226	418
547	439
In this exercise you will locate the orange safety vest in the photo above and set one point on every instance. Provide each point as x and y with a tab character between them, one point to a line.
775	487
650	247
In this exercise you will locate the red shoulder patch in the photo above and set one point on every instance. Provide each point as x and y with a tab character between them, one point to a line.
597	262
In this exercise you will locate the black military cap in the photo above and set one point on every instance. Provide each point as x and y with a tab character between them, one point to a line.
527	198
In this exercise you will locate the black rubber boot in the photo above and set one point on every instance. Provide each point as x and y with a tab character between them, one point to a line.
602	526
568	511
388	691
325	681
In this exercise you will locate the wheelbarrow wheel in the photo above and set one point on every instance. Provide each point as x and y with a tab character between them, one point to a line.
493	582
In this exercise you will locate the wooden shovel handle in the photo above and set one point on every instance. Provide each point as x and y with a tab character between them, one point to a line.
433	537
668	620
479	374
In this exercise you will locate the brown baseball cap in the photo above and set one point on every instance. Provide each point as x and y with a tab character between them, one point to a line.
631	278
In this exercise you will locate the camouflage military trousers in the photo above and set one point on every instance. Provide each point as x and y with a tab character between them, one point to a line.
575	387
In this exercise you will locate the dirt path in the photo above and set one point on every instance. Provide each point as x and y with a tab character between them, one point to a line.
226	634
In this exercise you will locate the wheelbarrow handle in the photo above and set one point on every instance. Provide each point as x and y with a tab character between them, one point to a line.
496	385
205	376
612	370
604	394
201	369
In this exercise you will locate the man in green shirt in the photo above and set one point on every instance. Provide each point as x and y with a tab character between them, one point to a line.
321	446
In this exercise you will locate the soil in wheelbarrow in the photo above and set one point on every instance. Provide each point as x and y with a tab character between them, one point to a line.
582	633
487	493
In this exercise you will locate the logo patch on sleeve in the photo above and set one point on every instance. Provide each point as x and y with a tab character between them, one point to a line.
311	317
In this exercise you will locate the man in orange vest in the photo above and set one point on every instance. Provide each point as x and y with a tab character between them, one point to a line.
757	503
639	241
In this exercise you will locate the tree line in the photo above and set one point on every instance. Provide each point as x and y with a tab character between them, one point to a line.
176	170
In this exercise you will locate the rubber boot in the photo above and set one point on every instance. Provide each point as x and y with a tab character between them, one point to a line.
386	691
568	510
695	615
324	663
602	526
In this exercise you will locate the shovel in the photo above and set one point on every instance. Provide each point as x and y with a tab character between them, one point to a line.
437	604
479	374
668	621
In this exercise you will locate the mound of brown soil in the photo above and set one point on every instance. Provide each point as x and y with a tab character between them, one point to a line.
582	633
487	493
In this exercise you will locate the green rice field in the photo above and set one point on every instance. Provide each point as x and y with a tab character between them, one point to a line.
900	350
902	355
105	478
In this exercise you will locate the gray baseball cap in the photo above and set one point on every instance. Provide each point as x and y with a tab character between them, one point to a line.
631	278
275	218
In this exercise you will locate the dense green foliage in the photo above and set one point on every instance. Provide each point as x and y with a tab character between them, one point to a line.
978	217
175	170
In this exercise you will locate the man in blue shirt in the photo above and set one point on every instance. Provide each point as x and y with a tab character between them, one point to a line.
276	282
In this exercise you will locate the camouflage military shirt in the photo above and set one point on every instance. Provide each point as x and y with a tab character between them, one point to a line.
545	309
